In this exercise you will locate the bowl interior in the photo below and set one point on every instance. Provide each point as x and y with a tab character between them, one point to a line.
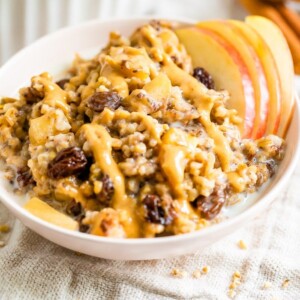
54	54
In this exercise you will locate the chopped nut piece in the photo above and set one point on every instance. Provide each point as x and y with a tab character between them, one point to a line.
285	283
196	274
2	244
178	273
4	228
267	285
242	244
205	269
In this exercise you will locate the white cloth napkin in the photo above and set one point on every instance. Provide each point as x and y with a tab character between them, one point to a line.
33	268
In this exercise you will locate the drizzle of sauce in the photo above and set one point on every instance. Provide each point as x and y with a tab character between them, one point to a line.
199	95
221	147
101	144
54	95
159	88
117	80
177	149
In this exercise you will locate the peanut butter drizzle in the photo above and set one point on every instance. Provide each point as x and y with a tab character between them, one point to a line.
199	95
221	146
177	149
54	95
117	80
101	145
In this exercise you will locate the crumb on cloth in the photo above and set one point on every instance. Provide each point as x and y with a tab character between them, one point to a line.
196	274
267	285
178	273
4	228
205	269
242	245
235	282
285	283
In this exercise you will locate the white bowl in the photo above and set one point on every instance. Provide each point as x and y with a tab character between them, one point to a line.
53	53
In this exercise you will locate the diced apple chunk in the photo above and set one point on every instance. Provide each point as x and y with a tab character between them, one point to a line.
52	123
47	213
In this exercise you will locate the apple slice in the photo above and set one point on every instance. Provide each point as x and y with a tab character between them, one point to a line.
224	63
270	71
47	213
254	67
279	48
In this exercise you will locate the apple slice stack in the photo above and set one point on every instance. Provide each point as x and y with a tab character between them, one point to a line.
252	61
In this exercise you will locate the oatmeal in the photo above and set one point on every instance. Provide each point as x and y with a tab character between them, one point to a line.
135	142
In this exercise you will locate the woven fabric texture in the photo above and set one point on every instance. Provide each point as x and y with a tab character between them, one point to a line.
33	268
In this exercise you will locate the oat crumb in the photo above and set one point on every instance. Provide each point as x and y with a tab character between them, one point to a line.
232	286
2	244
178	273
236	274
235	282
231	293
267	285
285	283
242	245
205	269
4	228
196	274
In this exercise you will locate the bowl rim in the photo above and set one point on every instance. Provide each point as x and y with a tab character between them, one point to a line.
249	213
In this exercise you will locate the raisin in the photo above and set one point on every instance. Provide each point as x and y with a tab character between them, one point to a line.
204	77
98	101
61	83
69	161
107	191
24	177
74	208
85	174
156	211
84	228
210	206
32	96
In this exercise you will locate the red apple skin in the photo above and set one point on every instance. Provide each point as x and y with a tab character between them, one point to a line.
265	95
246	81
261	93
278	46
269	67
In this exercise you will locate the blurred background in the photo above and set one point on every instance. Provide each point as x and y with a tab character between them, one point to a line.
23	21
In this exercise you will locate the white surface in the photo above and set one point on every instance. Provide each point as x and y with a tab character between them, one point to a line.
59	48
